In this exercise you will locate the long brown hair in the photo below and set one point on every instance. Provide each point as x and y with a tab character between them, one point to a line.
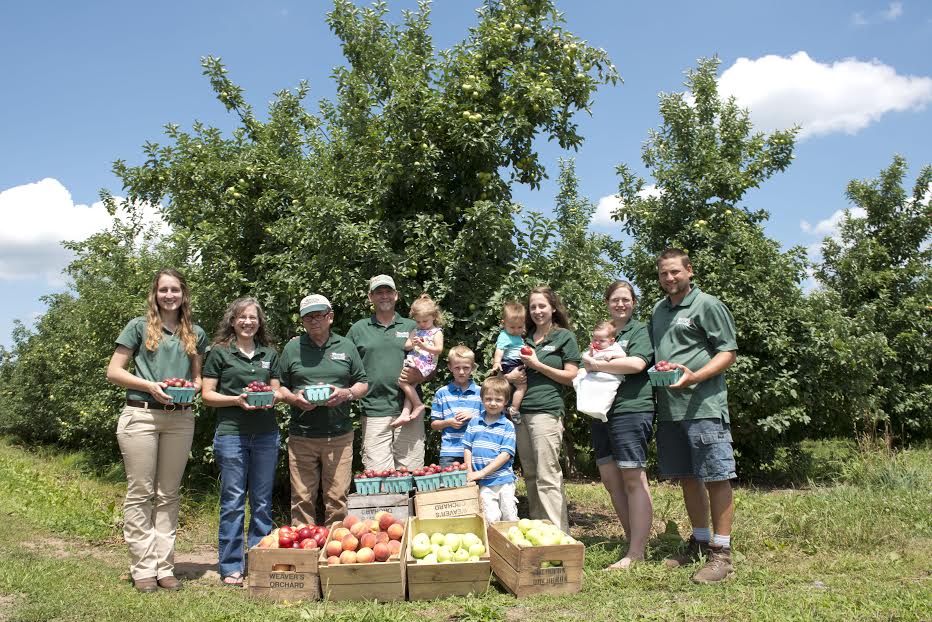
225	331
154	320
560	318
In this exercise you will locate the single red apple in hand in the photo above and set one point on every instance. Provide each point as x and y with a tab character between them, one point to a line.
526	350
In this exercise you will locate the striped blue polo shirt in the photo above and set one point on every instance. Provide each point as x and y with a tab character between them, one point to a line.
486	440
447	401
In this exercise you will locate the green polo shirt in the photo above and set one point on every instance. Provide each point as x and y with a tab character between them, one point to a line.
233	370
168	361
690	334
304	363
635	394
545	395
383	354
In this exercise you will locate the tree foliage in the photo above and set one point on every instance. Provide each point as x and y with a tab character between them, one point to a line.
880	271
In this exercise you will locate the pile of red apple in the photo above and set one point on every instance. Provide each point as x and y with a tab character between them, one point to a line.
257	386
433	469
178	383
370	473
300	536
664	366
358	541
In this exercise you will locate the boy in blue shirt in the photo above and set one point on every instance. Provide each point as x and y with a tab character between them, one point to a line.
489	451
455	405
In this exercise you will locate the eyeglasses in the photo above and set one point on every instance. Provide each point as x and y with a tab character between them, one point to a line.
315	317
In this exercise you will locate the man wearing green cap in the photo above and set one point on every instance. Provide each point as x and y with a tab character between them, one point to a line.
320	437
380	341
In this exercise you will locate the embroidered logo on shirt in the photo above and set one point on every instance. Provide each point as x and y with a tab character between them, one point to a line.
338	356
401	334
623	343
549	348
265	364
685	321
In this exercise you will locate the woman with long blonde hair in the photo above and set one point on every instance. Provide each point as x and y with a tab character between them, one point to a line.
154	433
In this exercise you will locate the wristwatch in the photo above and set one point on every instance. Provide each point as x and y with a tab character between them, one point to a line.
351	396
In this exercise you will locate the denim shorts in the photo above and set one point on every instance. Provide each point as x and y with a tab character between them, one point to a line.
509	365
698	448
623	439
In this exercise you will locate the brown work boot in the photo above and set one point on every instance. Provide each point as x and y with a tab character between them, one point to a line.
694	550
170	583
145	585
717	568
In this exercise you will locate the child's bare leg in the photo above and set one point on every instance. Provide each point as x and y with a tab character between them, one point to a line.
518	396
411	402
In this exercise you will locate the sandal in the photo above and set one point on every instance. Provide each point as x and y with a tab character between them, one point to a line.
233	580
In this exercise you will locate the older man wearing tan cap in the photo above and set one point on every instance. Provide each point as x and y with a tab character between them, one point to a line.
320	437
380	342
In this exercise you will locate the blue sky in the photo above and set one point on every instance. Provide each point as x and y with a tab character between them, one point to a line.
86	83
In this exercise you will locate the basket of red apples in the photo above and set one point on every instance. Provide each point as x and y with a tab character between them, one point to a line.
368	482
454	475
663	374
298	537
180	390
259	394
398	480
428	477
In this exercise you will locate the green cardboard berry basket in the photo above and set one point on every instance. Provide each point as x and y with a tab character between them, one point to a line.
664	378
369	485
453	480
180	395
398	484
318	393
428	482
260	398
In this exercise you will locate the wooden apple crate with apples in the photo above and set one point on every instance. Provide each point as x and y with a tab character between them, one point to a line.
381	581
429	581
401	505
283	574
448	502
518	567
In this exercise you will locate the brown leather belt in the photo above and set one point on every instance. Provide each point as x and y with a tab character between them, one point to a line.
157	406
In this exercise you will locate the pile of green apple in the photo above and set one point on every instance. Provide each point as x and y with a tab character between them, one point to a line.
538	533
440	548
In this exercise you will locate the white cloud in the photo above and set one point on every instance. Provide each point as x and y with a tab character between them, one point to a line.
893	11
609	204
37	218
858	19
829	226
844	96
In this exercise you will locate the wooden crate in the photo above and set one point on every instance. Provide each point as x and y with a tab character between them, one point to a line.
428	581
518	567
401	505
299	583
448	502
381	581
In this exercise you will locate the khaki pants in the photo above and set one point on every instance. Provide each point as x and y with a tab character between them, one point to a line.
384	447
155	445
320	464
539	438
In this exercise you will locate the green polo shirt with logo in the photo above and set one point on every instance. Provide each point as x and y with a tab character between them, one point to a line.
545	395
303	363
168	361
635	394
383	354
233	370
690	334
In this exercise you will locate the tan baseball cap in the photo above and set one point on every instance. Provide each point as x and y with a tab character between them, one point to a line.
382	280
314	302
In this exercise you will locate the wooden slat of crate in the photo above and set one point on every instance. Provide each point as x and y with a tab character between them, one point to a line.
401	505
448	502
428	581
299	583
518	568
381	581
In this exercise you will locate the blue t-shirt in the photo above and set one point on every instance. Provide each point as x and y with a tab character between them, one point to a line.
486	441
510	345
447	400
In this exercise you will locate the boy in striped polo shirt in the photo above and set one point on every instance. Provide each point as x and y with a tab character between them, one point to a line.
489	451
455	405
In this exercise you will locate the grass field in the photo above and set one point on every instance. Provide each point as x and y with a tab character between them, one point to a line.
857	546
